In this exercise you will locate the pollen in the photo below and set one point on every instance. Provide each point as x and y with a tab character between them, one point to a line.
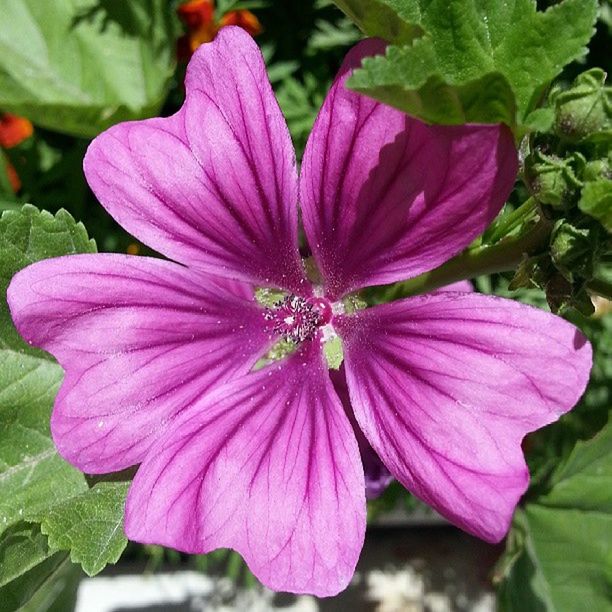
297	319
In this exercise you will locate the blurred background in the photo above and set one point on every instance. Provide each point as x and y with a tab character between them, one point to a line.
126	60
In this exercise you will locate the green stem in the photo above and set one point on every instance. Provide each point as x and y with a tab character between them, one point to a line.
526	211
600	287
501	257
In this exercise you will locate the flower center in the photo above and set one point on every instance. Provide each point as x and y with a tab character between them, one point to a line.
298	319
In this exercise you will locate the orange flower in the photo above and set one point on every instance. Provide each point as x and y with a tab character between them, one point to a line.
243	19
13	177
13	130
196	13
199	19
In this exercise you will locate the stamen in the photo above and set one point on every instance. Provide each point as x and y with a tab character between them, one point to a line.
298	319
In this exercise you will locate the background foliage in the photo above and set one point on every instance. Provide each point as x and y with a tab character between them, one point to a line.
74	67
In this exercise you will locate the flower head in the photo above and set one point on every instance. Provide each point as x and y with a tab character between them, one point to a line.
160	357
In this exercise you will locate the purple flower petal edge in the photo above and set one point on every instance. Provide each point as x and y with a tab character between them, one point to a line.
377	476
445	387
215	185
140	340
267	465
385	197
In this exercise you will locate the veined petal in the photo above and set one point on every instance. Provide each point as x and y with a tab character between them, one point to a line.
140	339
385	197
214	186
445	386
377	476
267	465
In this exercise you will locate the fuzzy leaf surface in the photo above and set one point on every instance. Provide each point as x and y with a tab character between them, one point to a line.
565	559
27	564
90	526
33	477
477	61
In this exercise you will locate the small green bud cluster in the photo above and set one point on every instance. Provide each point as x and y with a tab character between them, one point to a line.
585	109
553	180
568	170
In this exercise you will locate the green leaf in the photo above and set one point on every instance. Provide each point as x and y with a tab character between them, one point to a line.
27	564
521	585
476	61
32	475
584	480
59	592
394	20
564	563
331	35
26	236
573	556
407	79
22	547
89	525
79	66
540	120
596	201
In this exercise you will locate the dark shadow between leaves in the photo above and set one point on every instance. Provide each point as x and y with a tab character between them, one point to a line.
103	13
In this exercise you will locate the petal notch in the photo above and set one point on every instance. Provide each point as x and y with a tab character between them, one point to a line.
214	186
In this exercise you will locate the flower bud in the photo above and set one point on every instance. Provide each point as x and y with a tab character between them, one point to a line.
575	250
585	108
597	169
554	180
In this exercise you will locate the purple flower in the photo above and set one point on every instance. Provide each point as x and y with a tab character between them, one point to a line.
159	357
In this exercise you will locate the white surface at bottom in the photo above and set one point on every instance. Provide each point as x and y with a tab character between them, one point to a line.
391	591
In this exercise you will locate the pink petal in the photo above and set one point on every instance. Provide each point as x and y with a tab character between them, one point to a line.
377	476
140	339
386	197
214	186
267	465
445	387
464	286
